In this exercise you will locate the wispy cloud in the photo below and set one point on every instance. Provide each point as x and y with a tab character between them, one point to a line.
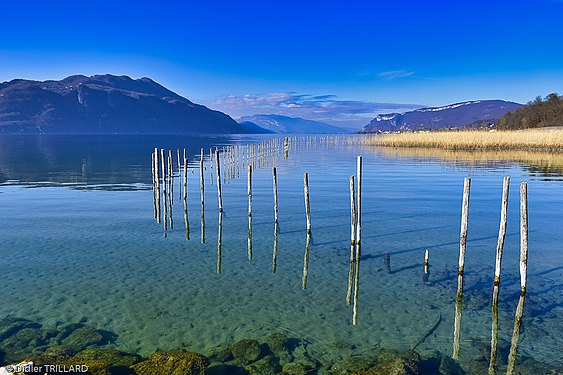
350	114
395	74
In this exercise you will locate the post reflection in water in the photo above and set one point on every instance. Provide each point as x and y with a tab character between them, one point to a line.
219	242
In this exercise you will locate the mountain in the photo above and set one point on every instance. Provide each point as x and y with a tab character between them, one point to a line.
292	125
458	115
253	128
104	104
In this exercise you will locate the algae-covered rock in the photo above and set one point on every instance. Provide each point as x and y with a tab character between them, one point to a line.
112	356
220	355
353	364
173	363
296	368
268	365
246	351
277	342
396	366
448	366
26	342
10	326
83	338
95	367
221	369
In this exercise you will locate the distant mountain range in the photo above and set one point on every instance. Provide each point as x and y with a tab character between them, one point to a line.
458	115
106	104
292	125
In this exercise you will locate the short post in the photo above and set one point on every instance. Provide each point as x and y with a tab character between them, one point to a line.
171	187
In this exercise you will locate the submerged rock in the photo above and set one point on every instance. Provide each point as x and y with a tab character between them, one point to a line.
220	355
449	366
83	338
10	326
26	342
353	364
173	363
116	358
268	365
277	342
246	351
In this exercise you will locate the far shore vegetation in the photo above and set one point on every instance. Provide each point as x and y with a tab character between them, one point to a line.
545	139
536	126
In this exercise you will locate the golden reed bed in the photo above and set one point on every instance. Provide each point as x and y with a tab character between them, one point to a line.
529	140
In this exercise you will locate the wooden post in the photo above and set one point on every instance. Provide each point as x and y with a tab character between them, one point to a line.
463	232
249	185
202	193
179	174
218	167
171	187
157	185
352	241
358	241
275	184
186	218
211	165
426	261
308	245
164	194
153	185
501	233
462	247
523	235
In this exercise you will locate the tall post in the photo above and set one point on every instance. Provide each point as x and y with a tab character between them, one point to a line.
352	241
202	194
523	235
186	218
218	171
358	241
308	245
462	247
249	186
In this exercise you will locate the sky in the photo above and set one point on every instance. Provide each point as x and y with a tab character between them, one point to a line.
335	61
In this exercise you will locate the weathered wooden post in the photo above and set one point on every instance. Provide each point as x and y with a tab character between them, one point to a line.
352	241
358	241
523	235
157	185
186	218
462	247
275	186
202	194
170	191
426	274
249	186
308	245
211	165
511	367
220	243
218	167
496	284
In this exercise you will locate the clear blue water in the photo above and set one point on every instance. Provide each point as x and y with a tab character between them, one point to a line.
79	243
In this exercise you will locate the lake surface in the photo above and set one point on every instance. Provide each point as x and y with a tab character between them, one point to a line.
80	243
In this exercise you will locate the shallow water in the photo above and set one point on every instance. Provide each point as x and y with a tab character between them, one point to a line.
79	243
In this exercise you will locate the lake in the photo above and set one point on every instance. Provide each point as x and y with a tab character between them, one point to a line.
80	244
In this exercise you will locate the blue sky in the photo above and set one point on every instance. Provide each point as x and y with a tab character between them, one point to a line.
232	55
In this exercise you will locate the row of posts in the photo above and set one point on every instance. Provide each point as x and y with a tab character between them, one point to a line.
254	156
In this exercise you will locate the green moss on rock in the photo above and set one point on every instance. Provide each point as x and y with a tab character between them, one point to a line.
83	338
268	365
246	351
112	356
277	342
173	363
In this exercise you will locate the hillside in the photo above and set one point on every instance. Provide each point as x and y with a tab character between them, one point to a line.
537	114
105	104
458	115
292	125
